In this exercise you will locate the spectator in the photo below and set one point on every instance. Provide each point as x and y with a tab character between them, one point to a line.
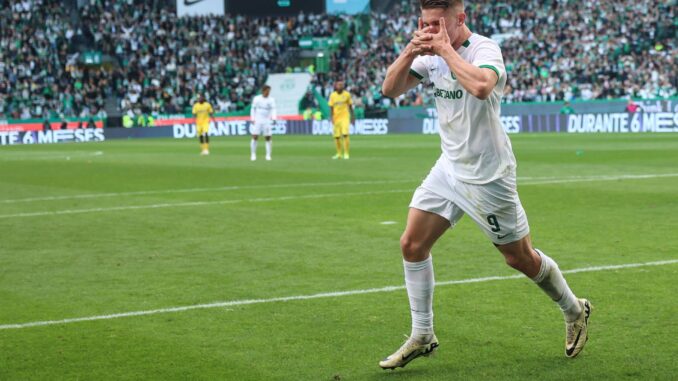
567	109
631	106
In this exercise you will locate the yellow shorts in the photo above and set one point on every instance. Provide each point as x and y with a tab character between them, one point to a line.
203	129
341	127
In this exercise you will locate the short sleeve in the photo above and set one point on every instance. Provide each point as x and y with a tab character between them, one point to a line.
211	110
349	98
332	101
419	69
194	108
488	56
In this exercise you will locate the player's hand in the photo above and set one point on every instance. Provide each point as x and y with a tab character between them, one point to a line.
435	43
416	45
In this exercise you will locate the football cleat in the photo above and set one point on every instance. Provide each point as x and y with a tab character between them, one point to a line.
204	152
576	332
268	157
253	157
346	156
337	156
409	351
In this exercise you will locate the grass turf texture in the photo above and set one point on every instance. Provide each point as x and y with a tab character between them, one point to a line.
306	235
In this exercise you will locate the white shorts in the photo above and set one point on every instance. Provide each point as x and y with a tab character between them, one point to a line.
495	206
261	128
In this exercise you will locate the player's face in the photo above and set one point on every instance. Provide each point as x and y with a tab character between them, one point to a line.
265	92
454	19
339	86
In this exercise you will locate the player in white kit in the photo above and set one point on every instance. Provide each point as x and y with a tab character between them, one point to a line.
475	175
262	115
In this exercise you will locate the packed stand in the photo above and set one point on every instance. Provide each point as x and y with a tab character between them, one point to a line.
39	77
553	50
167	60
157	62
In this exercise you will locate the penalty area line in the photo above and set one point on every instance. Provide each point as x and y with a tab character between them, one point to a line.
312	296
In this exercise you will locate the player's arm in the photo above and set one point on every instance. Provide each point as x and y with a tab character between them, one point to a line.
399	79
274	112
478	81
211	114
254	105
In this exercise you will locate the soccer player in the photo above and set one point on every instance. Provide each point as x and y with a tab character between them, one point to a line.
341	107
475	174
203	112
262	114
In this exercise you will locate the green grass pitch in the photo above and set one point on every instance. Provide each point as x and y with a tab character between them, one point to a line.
97	229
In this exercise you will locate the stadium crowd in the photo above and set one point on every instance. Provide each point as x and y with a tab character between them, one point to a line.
553	50
157	62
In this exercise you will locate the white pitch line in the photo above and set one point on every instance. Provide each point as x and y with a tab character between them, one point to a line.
298	197
522	181
196	190
196	203
312	296
579	179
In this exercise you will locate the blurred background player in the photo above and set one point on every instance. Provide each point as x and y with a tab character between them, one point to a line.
263	114
341	110
203	111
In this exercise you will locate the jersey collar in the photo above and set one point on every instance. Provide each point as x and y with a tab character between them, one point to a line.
465	44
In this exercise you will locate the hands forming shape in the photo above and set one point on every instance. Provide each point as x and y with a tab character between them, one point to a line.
426	43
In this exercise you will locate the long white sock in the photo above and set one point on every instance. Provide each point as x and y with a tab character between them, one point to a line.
551	280
269	146
253	147
420	282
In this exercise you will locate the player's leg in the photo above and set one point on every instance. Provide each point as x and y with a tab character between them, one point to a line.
347	142
497	210
253	147
267	131
431	214
269	147
422	231
545	272
336	132
202	135
207	141
337	144
255	130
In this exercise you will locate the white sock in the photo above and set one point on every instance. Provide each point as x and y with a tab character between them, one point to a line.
551	280
420	282
253	147
269	145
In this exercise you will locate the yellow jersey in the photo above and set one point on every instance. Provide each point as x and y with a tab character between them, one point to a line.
202	113
341	104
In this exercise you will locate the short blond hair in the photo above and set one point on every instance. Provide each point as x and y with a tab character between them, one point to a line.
445	4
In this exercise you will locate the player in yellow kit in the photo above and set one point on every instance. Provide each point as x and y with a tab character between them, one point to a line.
341	106
203	111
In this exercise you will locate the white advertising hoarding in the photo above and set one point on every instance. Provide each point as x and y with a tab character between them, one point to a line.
287	90
200	7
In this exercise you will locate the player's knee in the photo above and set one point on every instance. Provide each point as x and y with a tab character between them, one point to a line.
411	247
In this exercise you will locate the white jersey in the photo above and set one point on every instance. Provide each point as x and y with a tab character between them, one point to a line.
473	140
263	109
